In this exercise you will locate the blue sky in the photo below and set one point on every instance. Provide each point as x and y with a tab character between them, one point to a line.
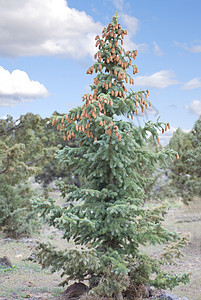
47	46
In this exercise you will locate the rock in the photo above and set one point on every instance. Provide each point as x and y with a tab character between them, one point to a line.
31	257
26	240
18	255
7	240
74	291
148	291
4	261
167	296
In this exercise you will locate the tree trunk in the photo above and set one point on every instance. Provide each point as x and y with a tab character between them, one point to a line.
118	296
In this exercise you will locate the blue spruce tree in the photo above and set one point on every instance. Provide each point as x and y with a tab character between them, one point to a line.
106	215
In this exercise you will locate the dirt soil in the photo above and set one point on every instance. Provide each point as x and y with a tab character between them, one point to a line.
187	219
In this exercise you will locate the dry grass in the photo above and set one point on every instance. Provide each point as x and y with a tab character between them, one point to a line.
186	220
26	279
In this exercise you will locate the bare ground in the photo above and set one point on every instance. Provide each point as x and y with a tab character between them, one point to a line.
187	219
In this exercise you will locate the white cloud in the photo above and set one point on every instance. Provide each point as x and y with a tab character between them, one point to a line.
160	80
41	27
194	107
3	117
166	136
157	49
17	87
151	110
130	45
195	47
130	22
192	84
119	4
132	25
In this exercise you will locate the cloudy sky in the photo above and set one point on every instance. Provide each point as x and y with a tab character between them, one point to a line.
47	46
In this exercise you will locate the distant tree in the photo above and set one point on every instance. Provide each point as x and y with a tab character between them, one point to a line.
152	172
51	170
22	153
185	174
194	155
106	216
180	141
